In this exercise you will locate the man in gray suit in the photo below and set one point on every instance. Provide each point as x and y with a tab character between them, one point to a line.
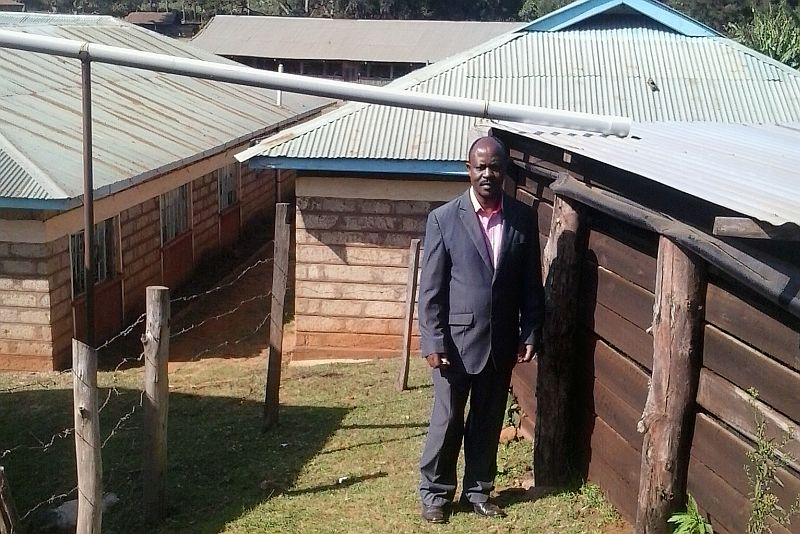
481	308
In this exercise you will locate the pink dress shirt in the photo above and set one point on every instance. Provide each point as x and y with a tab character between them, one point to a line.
492	226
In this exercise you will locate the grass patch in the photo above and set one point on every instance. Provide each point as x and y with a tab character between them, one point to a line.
343	459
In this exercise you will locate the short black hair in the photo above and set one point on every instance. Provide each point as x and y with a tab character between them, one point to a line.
497	141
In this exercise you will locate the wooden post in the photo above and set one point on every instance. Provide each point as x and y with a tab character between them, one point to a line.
668	418
411	297
280	276
554	450
156	401
9	520
87	439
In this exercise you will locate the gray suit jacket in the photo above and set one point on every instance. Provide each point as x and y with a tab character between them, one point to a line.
468	309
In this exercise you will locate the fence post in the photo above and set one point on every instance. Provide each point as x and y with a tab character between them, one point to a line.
87	439
9	520
554	447
280	275
668	418
156	401
411	297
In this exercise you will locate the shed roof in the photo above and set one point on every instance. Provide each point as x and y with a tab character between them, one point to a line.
401	41
751	169
636	70
145	123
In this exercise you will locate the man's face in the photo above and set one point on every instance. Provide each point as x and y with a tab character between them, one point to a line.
486	168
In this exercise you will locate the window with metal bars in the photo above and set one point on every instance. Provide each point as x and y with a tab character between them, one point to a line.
228	185
174	213
104	255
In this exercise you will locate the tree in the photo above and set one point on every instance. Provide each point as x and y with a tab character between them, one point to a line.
533	9
774	31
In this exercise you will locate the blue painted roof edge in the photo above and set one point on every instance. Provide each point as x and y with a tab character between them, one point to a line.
571	14
385	166
39	204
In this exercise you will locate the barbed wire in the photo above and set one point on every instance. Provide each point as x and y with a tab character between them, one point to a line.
220	315
113	380
220	287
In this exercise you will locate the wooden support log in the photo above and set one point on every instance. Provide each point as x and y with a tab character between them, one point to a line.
280	277
411	297
156	402
9	520
668	417
554	448
87	439
753	229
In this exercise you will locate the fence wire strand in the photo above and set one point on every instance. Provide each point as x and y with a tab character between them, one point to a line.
44	445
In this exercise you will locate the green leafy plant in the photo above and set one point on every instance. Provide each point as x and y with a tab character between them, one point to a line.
774	31
691	521
766	458
513	414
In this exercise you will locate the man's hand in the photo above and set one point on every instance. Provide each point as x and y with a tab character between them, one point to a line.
525	353
438	360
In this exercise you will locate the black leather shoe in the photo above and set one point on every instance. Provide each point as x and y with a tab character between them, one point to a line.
487	509
434	514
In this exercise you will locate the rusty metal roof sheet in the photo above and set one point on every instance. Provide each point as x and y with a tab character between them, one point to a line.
409	41
751	169
643	73
145	123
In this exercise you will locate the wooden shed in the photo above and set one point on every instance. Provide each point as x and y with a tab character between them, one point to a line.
673	271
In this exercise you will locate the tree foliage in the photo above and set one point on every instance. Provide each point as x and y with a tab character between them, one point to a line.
774	31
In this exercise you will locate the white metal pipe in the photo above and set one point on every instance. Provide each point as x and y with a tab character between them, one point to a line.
605	124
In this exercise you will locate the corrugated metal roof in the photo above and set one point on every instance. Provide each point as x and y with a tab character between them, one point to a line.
409	41
144	122
594	71
751	169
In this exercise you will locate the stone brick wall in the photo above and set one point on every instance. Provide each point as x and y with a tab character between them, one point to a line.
140	232
352	258
25	333
205	218
257	194
60	278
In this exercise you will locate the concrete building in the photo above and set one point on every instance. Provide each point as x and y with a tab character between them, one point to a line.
365	51
168	192
368	174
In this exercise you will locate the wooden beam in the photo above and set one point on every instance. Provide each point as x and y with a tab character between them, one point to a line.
156	402
280	277
87	439
668	416
411	297
752	229
554	448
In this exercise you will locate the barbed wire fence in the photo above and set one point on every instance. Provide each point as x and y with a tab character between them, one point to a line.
114	392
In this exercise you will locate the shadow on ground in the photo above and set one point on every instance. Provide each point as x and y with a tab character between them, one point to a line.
220	461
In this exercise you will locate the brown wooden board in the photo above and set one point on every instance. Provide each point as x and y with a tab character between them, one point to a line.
619	415
622	335
621	375
774	334
737	408
544	216
724	507
624	260
726	454
617	490
624	298
523	386
623	460
777	385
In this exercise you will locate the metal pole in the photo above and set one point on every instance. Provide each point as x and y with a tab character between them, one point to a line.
207	70
88	197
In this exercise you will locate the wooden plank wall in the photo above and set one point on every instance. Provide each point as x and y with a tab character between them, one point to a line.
618	284
749	343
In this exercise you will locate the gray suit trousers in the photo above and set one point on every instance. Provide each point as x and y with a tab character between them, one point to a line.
488	395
